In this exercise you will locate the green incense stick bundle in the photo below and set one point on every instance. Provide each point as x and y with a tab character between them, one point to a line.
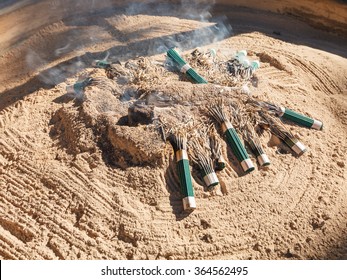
232	137
203	160
255	145
179	144
293	116
185	67
300	119
281	132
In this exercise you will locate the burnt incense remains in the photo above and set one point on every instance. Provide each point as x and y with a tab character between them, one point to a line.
203	59
202	158
179	144
116	70
217	111
281	132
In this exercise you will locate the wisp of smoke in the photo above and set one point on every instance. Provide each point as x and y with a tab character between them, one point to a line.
80	13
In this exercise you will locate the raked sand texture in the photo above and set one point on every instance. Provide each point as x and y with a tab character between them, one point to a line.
76	183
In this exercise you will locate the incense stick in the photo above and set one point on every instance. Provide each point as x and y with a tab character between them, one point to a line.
202	158
291	115
185	67
253	141
218	113
281	132
179	144
216	152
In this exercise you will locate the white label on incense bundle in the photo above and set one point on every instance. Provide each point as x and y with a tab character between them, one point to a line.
226	125
281	113
247	164
181	154
189	203
185	68
299	148
211	179
263	159
317	125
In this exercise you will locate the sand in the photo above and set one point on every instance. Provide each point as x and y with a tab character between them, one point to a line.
78	181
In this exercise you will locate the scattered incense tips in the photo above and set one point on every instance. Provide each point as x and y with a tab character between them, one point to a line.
116	70
240	66
78	88
179	144
208	64
253	141
185	67
142	73
202	159
293	116
203	59
281	132
216	151
103	64
218	113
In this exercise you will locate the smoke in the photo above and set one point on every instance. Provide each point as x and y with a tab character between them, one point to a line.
34	61
84	18
56	74
75	16
198	10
